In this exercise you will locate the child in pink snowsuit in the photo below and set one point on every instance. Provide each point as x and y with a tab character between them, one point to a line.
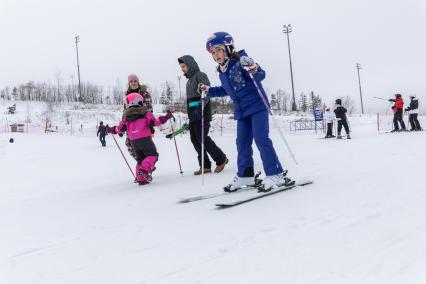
139	124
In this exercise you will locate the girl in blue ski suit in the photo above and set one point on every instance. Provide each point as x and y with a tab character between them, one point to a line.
249	111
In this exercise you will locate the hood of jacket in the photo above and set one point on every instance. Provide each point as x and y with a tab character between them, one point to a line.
192	65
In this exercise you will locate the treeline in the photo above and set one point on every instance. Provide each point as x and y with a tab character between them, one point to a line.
58	93
167	94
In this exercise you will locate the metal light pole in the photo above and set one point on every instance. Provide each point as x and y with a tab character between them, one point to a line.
287	30
358	67
77	40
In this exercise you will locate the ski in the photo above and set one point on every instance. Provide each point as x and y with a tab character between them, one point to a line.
223	193
217	194
185	127
260	195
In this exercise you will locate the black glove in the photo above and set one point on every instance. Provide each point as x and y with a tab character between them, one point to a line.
406	109
120	134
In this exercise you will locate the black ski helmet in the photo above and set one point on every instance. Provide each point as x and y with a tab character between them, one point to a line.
101	123
397	95
338	102
11	140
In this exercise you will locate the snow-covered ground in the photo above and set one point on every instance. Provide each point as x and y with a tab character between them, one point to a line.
70	212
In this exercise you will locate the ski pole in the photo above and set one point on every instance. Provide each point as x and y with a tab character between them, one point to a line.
202	141
118	146
380	98
177	151
262	96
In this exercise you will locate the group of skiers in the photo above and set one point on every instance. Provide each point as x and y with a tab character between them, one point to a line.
398	121
240	78
342	120
398	110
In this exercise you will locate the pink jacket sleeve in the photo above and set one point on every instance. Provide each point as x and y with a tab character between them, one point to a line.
150	117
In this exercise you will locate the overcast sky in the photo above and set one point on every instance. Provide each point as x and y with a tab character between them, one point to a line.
387	37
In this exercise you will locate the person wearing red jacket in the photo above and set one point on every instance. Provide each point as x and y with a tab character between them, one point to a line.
398	108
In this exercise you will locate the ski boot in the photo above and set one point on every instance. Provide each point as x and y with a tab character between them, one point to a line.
274	181
348	136
339	136
142	176
243	182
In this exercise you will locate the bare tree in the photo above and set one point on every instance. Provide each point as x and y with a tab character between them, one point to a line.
349	104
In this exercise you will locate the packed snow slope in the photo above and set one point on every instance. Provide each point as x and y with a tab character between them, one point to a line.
70	213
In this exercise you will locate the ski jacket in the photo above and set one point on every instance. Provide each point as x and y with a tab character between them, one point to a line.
237	84
329	117
195	77
142	90
340	112
398	104
414	106
101	130
138	122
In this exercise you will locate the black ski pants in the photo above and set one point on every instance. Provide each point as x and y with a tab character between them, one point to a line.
342	123
209	146
397	117
102	139
414	122
329	129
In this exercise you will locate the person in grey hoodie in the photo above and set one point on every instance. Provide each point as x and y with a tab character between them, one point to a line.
193	99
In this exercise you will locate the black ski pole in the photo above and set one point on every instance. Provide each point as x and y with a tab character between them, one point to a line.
177	151
118	146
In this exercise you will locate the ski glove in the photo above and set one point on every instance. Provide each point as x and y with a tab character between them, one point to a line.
248	64
111	130
203	90
163	119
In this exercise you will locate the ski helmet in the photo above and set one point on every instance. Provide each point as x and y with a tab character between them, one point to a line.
221	38
338	102
397	95
134	99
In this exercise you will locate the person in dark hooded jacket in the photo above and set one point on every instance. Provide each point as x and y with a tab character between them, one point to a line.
195	77
101	133
342	119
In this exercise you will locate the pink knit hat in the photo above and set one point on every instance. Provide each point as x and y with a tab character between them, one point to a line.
132	77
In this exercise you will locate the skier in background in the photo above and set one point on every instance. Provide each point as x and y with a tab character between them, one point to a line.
397	108
342	119
102	131
329	118
413	110
138	122
195	77
249	111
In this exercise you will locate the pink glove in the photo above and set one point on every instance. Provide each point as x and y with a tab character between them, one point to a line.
111	130
163	119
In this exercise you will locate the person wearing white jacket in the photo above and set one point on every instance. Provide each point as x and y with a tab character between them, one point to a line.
329	118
